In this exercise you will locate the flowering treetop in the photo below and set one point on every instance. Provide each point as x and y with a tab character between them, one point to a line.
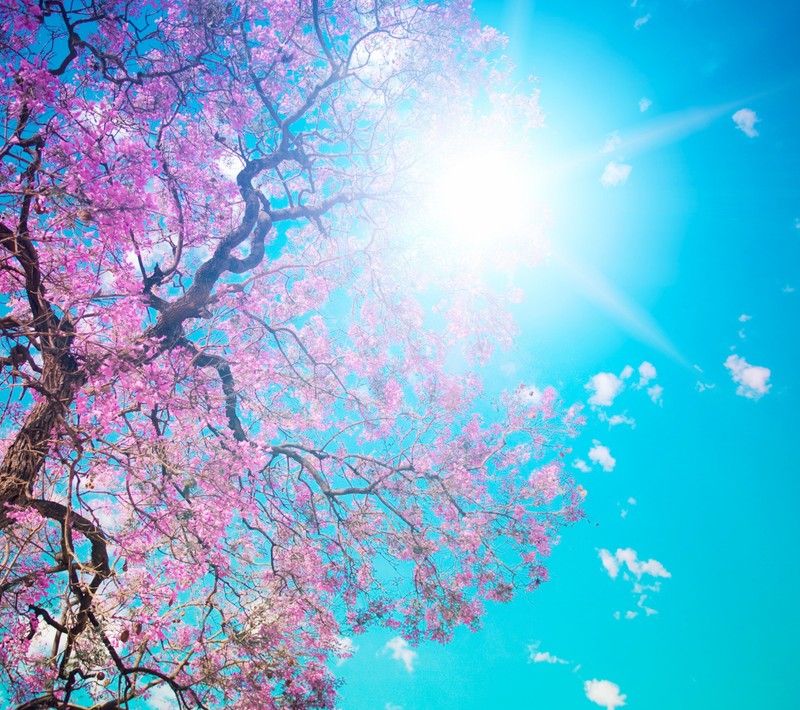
234	429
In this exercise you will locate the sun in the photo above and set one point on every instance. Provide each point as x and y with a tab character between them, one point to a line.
480	198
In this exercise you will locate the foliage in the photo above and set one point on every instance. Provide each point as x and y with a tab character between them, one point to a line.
236	428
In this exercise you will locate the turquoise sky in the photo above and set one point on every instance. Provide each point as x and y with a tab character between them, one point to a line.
672	139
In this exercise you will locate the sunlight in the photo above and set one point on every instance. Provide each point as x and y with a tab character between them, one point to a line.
480	195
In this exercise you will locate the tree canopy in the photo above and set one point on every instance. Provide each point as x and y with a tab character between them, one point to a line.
243	416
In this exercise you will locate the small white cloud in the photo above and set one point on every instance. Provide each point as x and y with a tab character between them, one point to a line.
581	465
631	501
615	174
631	614
642	21
655	393
604	693
627	371
703	386
647	372
613	141
644	104
606	386
623	513
402	652
546	657
617	419
745	120
752	379
609	562
600	455
630	559
744	318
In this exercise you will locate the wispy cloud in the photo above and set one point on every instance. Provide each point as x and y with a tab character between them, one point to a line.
402	652
752	379
537	656
581	465
644	104
642	21
615	174
745	120
604	693
613	141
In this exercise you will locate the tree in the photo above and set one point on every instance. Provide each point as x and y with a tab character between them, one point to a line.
234	429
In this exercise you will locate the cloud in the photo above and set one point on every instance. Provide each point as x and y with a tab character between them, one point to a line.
703	386
615	174
537	656
642	21
609	562
600	454
745	120
788	289
752	379
392	706
655	393
744	318
613	141
647	372
631	501
627	371
617	419
581	465
604	693
631	614
606	386
644	104
402	652
630	559
546	657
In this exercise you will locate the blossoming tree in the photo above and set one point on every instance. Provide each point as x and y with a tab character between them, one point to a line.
241	414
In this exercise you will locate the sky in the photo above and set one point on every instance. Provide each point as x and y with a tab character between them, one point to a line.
670	308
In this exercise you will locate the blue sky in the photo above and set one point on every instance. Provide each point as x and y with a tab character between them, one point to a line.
686	256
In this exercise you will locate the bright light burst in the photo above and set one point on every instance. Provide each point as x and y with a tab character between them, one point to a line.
479	197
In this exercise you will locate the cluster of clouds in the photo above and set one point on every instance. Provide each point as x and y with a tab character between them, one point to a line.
626	560
605	387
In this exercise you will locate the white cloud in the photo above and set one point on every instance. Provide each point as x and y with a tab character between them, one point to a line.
627	371
604	693
600	454
642	21
631	501
655	393
613	141
745	120
615	173
630	559
631	614
647	372
546	657
402	652
606	386
752	379
644	104
617	419
703	386
610	563
581	465
162	697
392	706
744	318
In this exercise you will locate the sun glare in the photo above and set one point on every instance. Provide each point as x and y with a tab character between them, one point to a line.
479	196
